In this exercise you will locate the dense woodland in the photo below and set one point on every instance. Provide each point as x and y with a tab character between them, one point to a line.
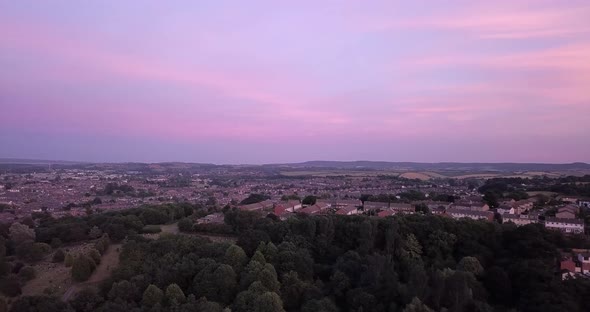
319	263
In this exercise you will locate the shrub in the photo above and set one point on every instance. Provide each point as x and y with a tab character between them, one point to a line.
59	256
32	251
10	286
27	273
82	268
55	243
95	255
69	260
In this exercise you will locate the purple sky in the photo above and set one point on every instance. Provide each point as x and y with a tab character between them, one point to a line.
286	81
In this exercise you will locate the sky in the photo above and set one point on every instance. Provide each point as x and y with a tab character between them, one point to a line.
288	81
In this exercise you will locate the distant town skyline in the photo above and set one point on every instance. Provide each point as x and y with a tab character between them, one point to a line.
270	82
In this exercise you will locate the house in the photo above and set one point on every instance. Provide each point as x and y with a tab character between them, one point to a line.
575	264
279	210
385	213
584	202
310	210
584	261
368	206
402	208
523	205
291	205
347	210
505	209
263	205
339	203
440	210
282	212
436	205
574	226
567	212
519	219
215	218
323	205
475	215
477	207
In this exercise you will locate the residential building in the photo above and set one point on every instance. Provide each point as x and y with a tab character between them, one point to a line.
519	219
348	210
475	215
368	206
574	226
402	208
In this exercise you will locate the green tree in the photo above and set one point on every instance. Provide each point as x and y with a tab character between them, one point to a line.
491	199
321	305
95	232
417	306
236	258
20	233
82	268
95	255
174	295
471	265
152	296
309	200
185	225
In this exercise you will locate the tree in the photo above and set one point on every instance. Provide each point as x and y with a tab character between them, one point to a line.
124	291
185	225
152	296
174	295
309	200
254	198
87	300
27	273
20	233
95	232
95	256
417	306
217	282
30	251
236	258
471	265
82	268
40	304
323	305
10	286
491	199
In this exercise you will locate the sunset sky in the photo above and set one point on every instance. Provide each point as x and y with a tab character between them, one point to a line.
287	81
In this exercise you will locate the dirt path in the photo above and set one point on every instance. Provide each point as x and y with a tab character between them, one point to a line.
108	262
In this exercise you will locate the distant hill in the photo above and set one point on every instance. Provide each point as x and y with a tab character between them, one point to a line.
21	161
317	164
443	166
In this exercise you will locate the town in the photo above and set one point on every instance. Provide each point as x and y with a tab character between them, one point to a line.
82	191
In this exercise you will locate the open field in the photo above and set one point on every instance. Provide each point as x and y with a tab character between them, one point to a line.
415	175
